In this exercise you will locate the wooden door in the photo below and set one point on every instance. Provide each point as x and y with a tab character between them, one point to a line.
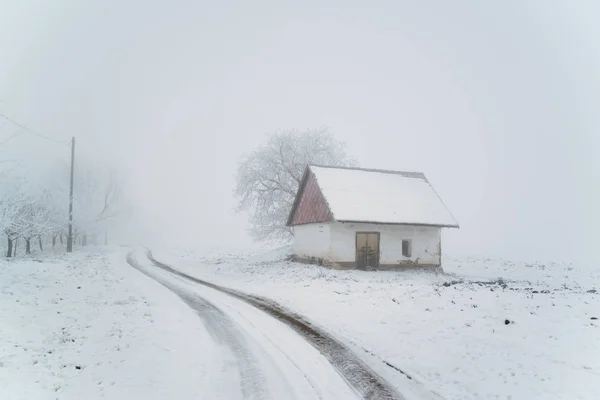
367	250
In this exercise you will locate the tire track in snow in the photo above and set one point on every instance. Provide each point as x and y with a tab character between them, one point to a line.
222	330
356	372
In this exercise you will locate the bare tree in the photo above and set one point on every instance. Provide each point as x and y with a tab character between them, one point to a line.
35	207
11	201
98	201
36	219
268	178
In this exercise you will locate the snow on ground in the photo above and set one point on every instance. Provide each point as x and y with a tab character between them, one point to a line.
463	334
87	326
262	358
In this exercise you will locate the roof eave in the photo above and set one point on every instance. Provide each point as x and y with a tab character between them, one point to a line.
400	223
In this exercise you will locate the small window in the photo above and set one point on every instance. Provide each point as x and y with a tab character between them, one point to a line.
406	247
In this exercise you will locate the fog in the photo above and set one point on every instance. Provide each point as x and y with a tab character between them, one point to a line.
496	103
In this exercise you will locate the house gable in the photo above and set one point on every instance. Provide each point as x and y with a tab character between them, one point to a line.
310	205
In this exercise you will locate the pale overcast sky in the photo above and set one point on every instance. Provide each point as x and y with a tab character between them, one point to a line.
496	102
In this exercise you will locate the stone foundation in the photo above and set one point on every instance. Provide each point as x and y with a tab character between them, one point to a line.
346	265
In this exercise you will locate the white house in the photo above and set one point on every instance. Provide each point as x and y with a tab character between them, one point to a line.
367	218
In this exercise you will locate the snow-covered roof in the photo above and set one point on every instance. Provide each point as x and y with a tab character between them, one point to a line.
378	196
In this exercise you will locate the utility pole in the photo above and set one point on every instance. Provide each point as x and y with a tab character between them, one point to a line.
70	237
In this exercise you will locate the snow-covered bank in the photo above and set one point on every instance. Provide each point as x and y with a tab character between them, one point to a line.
529	335
87	326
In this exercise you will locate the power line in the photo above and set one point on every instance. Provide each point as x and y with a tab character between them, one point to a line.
26	129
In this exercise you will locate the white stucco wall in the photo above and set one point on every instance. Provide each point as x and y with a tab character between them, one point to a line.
426	243
311	240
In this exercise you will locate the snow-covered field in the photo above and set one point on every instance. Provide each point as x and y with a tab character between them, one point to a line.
463	334
87	326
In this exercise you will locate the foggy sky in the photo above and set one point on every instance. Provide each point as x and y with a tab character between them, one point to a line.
496	103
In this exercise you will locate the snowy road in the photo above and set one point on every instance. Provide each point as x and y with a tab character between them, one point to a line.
261	357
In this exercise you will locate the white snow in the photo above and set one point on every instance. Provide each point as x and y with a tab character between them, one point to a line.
451	339
87	326
280	363
385	197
